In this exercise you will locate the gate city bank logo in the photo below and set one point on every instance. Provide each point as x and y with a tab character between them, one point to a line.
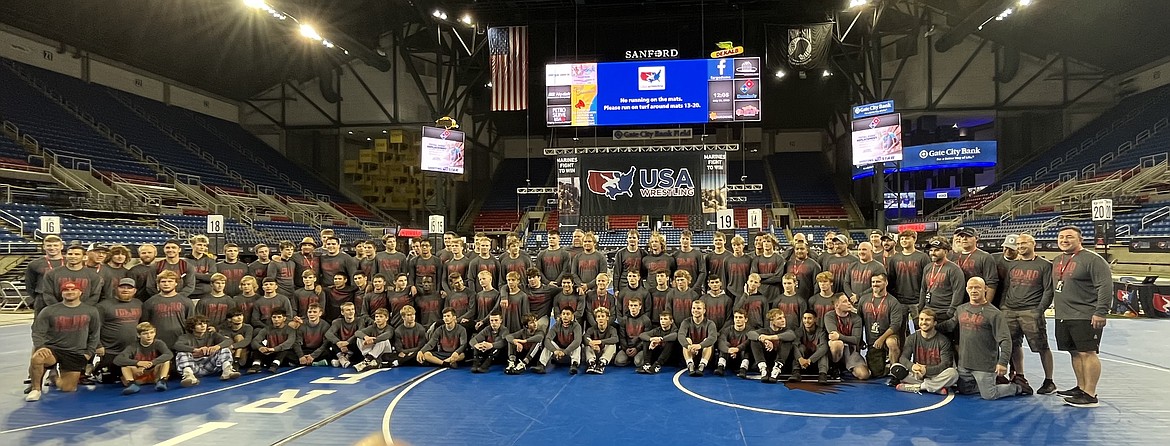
652	78
656	182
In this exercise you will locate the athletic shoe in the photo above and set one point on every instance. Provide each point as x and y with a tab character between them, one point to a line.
719	371
943	391
511	365
321	363
1020	379
229	372
822	378
1075	391
476	369
335	363
644	369
35	395
255	368
893	382
1047	388
742	373
767	379
573	368
361	366
1024	389
189	378
694	371
657	368
795	378
274	367
911	388
1082	400
776	370
160	386
600	370
539	370
129	390
698	373
591	369
520	367
28	389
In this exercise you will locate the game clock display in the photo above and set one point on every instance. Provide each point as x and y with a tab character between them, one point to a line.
653	92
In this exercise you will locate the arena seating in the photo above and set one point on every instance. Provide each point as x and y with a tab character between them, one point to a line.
815	234
502	207
624	221
75	143
86	231
233	230
1133	119
154	143
801	179
756	174
11	153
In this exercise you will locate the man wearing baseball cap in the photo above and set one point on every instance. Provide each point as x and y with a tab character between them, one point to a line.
1001	266
65	334
943	285
1028	293
973	261
306	260
839	261
120	317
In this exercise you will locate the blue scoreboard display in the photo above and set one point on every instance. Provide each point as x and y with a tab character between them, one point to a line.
653	92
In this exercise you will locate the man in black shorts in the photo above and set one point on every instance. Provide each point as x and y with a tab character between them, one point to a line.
1081	285
65	334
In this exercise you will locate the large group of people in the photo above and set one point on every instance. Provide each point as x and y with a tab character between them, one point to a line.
951	319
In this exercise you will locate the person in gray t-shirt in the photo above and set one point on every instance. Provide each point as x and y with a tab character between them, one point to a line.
984	345
1082	291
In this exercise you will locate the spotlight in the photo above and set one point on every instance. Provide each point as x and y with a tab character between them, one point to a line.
308	31
826	73
437	13
780	74
466	19
384	132
858	3
351	132
257	4
369	139
1025	2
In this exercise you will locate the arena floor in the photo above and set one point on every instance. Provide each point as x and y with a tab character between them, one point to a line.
454	407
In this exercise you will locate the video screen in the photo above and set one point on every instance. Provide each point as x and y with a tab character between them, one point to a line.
877	139
653	92
442	150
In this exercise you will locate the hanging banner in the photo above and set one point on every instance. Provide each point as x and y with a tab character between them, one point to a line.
802	47
568	191
641	183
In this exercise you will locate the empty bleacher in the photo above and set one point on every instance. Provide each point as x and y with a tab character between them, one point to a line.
502	207
802	179
1093	149
153	143
85	231
73	142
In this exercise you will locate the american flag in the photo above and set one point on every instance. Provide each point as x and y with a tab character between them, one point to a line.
508	46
